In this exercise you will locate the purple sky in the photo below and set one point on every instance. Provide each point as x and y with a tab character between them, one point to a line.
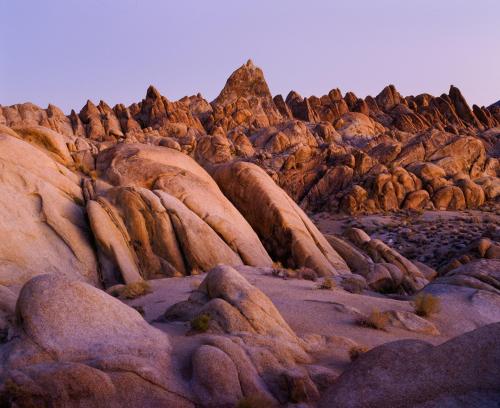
68	51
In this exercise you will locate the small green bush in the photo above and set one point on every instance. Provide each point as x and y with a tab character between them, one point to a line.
136	289
201	323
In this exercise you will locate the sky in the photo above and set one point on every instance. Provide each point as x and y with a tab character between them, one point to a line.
67	51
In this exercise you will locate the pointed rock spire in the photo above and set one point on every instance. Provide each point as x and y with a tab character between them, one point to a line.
152	93
249	98
462	108
388	98
88	111
247	81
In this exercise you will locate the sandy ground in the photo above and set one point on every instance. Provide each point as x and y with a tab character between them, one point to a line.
310	310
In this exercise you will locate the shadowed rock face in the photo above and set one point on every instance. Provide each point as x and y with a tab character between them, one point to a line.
461	372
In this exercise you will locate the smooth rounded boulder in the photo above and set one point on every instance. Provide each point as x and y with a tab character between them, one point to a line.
410	373
79	347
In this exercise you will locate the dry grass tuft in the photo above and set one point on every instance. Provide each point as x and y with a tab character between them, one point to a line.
327	284
375	320
136	289
426	305
201	323
356	351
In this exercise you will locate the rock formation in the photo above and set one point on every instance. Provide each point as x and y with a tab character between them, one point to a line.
372	144
260	353
42	210
150	195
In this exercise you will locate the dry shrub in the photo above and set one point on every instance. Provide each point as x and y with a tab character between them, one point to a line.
426	305
302	273
136	289
307	274
327	284
284	273
356	351
375	320
200	323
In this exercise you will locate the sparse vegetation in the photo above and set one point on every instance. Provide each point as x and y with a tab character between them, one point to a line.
354	283
201	323
426	305
135	290
307	274
302	273
195	271
253	401
356	351
327	284
375	320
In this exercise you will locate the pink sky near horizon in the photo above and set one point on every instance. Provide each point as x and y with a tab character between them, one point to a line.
65	52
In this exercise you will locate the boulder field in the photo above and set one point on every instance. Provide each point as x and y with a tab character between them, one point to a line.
164	254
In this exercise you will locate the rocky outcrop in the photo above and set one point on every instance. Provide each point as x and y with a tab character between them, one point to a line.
167	217
307	144
254	353
42	215
483	274
422	374
384	269
244	101
285	230
118	195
